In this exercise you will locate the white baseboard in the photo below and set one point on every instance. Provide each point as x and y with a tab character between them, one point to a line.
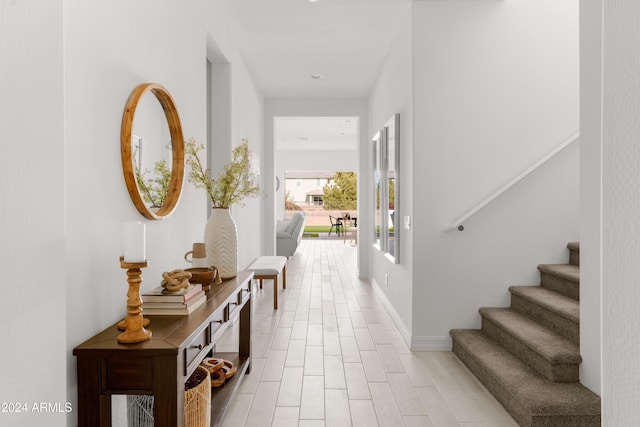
402	328
431	343
425	343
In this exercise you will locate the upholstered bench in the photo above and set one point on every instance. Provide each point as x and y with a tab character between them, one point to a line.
270	267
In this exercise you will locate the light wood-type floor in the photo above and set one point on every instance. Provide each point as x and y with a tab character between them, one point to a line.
332	356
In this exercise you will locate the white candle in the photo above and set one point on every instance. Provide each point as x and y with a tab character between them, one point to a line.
134	242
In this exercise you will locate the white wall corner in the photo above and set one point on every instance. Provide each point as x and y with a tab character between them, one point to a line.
402	328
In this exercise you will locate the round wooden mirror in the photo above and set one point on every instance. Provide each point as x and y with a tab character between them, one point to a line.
166	186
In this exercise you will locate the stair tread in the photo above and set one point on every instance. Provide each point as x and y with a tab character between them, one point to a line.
539	339
565	271
562	305
539	395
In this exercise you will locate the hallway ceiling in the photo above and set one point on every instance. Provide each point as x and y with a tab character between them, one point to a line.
285	42
316	133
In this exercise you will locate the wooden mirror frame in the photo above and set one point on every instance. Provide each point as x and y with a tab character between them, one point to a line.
177	143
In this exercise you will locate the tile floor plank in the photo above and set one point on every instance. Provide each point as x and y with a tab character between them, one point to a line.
263	405
373	366
312	402
286	416
296	353
385	404
290	391
363	414
337	409
314	360
357	385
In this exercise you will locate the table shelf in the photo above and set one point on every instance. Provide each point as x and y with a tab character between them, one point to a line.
221	396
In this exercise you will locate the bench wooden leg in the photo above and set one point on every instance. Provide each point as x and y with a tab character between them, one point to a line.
284	276
275	292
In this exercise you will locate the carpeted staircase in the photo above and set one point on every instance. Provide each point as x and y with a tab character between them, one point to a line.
528	355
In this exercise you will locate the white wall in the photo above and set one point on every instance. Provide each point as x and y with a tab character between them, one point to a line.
590	192
248	123
236	114
66	75
32	223
492	94
620	207
392	93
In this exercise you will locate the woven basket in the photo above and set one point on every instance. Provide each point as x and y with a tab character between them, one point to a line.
197	405
197	401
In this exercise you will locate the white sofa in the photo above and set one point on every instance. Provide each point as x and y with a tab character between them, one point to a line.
289	233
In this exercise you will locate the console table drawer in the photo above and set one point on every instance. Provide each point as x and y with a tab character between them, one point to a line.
127	373
243	295
196	350
232	307
218	321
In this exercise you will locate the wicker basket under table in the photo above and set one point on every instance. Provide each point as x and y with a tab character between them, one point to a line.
197	405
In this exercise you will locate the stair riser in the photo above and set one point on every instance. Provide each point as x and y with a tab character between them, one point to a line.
567	421
515	408
562	286
561	325
565	373
574	257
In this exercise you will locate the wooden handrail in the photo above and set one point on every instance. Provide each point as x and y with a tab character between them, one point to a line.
458	224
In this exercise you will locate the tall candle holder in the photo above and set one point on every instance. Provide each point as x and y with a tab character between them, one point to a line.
134	323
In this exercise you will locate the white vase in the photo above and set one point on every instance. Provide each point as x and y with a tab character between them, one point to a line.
221	241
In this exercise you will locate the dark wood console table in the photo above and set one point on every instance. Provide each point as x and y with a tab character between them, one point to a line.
161	365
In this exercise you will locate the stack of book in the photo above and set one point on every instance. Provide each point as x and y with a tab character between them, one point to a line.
160	302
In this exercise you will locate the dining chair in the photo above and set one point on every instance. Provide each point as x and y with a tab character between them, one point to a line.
350	225
336	223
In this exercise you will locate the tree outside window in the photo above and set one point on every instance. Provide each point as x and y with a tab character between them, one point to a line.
341	192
